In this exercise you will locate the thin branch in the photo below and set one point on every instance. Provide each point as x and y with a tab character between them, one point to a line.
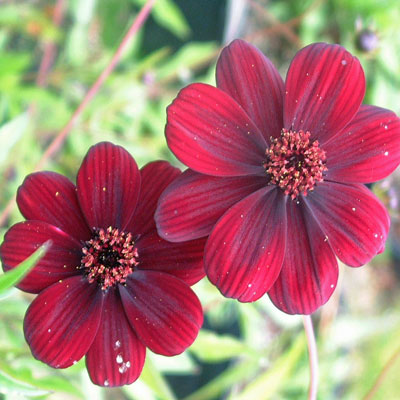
313	357
381	377
49	46
59	139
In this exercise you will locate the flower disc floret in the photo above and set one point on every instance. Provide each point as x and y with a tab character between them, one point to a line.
295	163
109	257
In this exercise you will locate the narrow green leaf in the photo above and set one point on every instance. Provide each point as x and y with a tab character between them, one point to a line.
210	347
12	277
11	132
24	379
236	373
169	16
9	385
267	384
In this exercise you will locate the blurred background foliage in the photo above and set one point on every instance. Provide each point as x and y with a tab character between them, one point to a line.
244	351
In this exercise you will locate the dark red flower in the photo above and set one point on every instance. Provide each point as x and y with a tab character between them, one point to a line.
277	171
109	286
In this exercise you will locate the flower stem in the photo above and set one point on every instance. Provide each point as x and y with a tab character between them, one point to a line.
313	357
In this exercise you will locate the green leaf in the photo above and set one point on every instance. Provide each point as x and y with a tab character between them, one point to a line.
267	384
189	56
13	276
168	15
24	382
210	347
9	385
11	132
223	382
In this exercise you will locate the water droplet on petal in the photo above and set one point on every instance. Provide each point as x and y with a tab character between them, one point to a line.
106	383
344	62
119	359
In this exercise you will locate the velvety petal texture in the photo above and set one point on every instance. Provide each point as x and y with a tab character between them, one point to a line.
212	134
116	356
253	81
108	185
309	271
109	286
325	86
276	172
41	197
163	311
155	177
62	322
353	219
183	260
367	149
61	260
192	204
244	262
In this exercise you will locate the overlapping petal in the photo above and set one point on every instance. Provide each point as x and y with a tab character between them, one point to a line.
183	260
41	197
367	149
253	81
192	204
209	132
116	356
163	310
353	219
60	261
108	185
155	177
244	252
325	86
62	322
309	271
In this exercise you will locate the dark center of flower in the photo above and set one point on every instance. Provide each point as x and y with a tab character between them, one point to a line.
295	163
109	257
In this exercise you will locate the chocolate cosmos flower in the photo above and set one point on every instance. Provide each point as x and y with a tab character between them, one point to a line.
109	286
276	174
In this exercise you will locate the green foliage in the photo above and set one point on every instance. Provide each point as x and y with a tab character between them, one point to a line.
13	276
246	351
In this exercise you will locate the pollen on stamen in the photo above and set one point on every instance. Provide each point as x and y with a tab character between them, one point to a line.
109	257
295	163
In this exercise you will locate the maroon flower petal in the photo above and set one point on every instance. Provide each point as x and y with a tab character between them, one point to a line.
309	272
108	185
183	260
61	323
367	150
353	219
325	86
163	310
209	132
253	81
116	356
51	197
155	177
60	261
244	252
189	208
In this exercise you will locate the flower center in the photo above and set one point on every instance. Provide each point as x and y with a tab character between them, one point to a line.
109	257
294	162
